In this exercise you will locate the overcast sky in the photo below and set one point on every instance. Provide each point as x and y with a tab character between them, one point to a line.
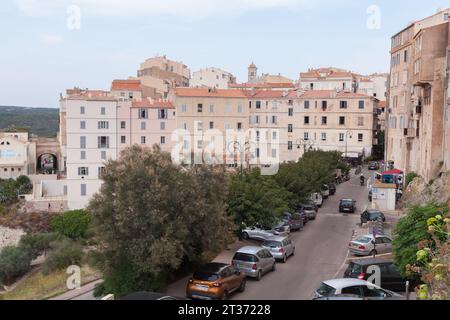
43	51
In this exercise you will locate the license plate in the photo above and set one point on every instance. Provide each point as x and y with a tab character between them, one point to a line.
202	288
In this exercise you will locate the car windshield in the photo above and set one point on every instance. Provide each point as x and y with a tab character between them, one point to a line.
325	290
205	276
272	244
347	202
244	257
373	214
364	239
354	268
308	207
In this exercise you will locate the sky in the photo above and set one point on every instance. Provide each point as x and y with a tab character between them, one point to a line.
47	46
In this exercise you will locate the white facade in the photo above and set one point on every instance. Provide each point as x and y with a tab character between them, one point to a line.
17	155
212	77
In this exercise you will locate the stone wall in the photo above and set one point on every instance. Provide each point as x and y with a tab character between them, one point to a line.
10	237
420	192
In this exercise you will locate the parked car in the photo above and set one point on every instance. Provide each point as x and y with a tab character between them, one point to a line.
144	295
363	245
254	261
391	278
332	188
316	207
347	205
317	198
281	248
360	288
304	216
325	191
341	297
294	220
371	215
260	232
309	210
215	281
374	165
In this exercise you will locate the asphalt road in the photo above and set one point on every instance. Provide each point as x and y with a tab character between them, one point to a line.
321	251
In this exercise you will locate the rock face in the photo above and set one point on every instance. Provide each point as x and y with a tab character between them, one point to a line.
420	192
10	237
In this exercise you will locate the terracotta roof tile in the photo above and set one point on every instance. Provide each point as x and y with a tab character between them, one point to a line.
129	85
151	103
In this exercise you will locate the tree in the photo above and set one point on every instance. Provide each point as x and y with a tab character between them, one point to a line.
63	254
153	218
37	243
256	199
72	224
14	262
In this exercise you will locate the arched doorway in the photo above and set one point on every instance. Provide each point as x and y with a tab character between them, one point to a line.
47	163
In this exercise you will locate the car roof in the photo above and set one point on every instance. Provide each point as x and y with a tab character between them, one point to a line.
371	235
250	249
277	238
212	267
345	282
370	261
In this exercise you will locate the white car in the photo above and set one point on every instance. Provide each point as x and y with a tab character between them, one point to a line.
360	288
262	233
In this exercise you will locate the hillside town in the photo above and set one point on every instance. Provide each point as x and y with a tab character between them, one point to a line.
211	188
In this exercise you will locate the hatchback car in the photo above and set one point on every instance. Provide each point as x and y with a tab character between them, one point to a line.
360	288
294	220
390	277
215	281
347	205
281	248
363	245
254	261
309	210
371	215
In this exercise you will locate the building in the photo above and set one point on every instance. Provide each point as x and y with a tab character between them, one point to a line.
264	81
418	138
212	78
17	155
159	74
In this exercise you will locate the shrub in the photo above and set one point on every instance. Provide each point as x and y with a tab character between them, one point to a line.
73	224
37	243
24	185
410	177
14	262
63	253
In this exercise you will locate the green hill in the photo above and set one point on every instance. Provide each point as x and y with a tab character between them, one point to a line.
40	121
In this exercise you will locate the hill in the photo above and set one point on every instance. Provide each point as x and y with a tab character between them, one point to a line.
40	121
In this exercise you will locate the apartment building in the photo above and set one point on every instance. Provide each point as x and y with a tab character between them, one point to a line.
418	122
17	155
212	78
159	74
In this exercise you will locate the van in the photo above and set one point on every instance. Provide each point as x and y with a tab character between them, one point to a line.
317	198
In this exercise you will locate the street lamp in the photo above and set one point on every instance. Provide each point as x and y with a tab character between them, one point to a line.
305	143
242	148
347	135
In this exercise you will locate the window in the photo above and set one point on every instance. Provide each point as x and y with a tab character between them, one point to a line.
274	135
211	125
82	142
405	56
211	108
199	144
258	104
199	107
102	110
274	153
82	110
290	128
162	126
343	104
143	125
239	109
311	86
227	108
162	114
83	189
360	121
163	140
101	171
306	105
341	121
360	137
291	112
83	155
324	136
289	145
239	125
361	104
227	126
257	119
199	126
103	125
142	139
324	121
123	124
306	120
103	155
82	124
341	137
123	139
274	120
306	135
143	113
352	290
83	171
324	104
184	108
103	142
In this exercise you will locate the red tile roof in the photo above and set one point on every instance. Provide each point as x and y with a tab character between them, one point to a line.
128	85
150	103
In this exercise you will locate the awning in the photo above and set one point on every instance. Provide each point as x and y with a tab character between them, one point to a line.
393	172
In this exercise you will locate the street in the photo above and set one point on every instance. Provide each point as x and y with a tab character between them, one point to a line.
321	250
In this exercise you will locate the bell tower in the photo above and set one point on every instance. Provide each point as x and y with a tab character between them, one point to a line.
252	73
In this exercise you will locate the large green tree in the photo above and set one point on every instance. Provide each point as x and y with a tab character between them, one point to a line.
153	218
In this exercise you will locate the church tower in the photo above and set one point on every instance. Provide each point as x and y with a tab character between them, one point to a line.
252	73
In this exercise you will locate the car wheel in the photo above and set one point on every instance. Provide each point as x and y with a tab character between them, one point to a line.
225	295
259	275
245	236
284	258
242	286
373	252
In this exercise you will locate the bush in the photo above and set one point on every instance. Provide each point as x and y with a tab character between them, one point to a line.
73	224
410	177
14	262
63	253
24	185
37	243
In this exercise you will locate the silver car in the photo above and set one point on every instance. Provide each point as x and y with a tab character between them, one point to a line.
363	245
310	211
254	261
280	247
262	233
